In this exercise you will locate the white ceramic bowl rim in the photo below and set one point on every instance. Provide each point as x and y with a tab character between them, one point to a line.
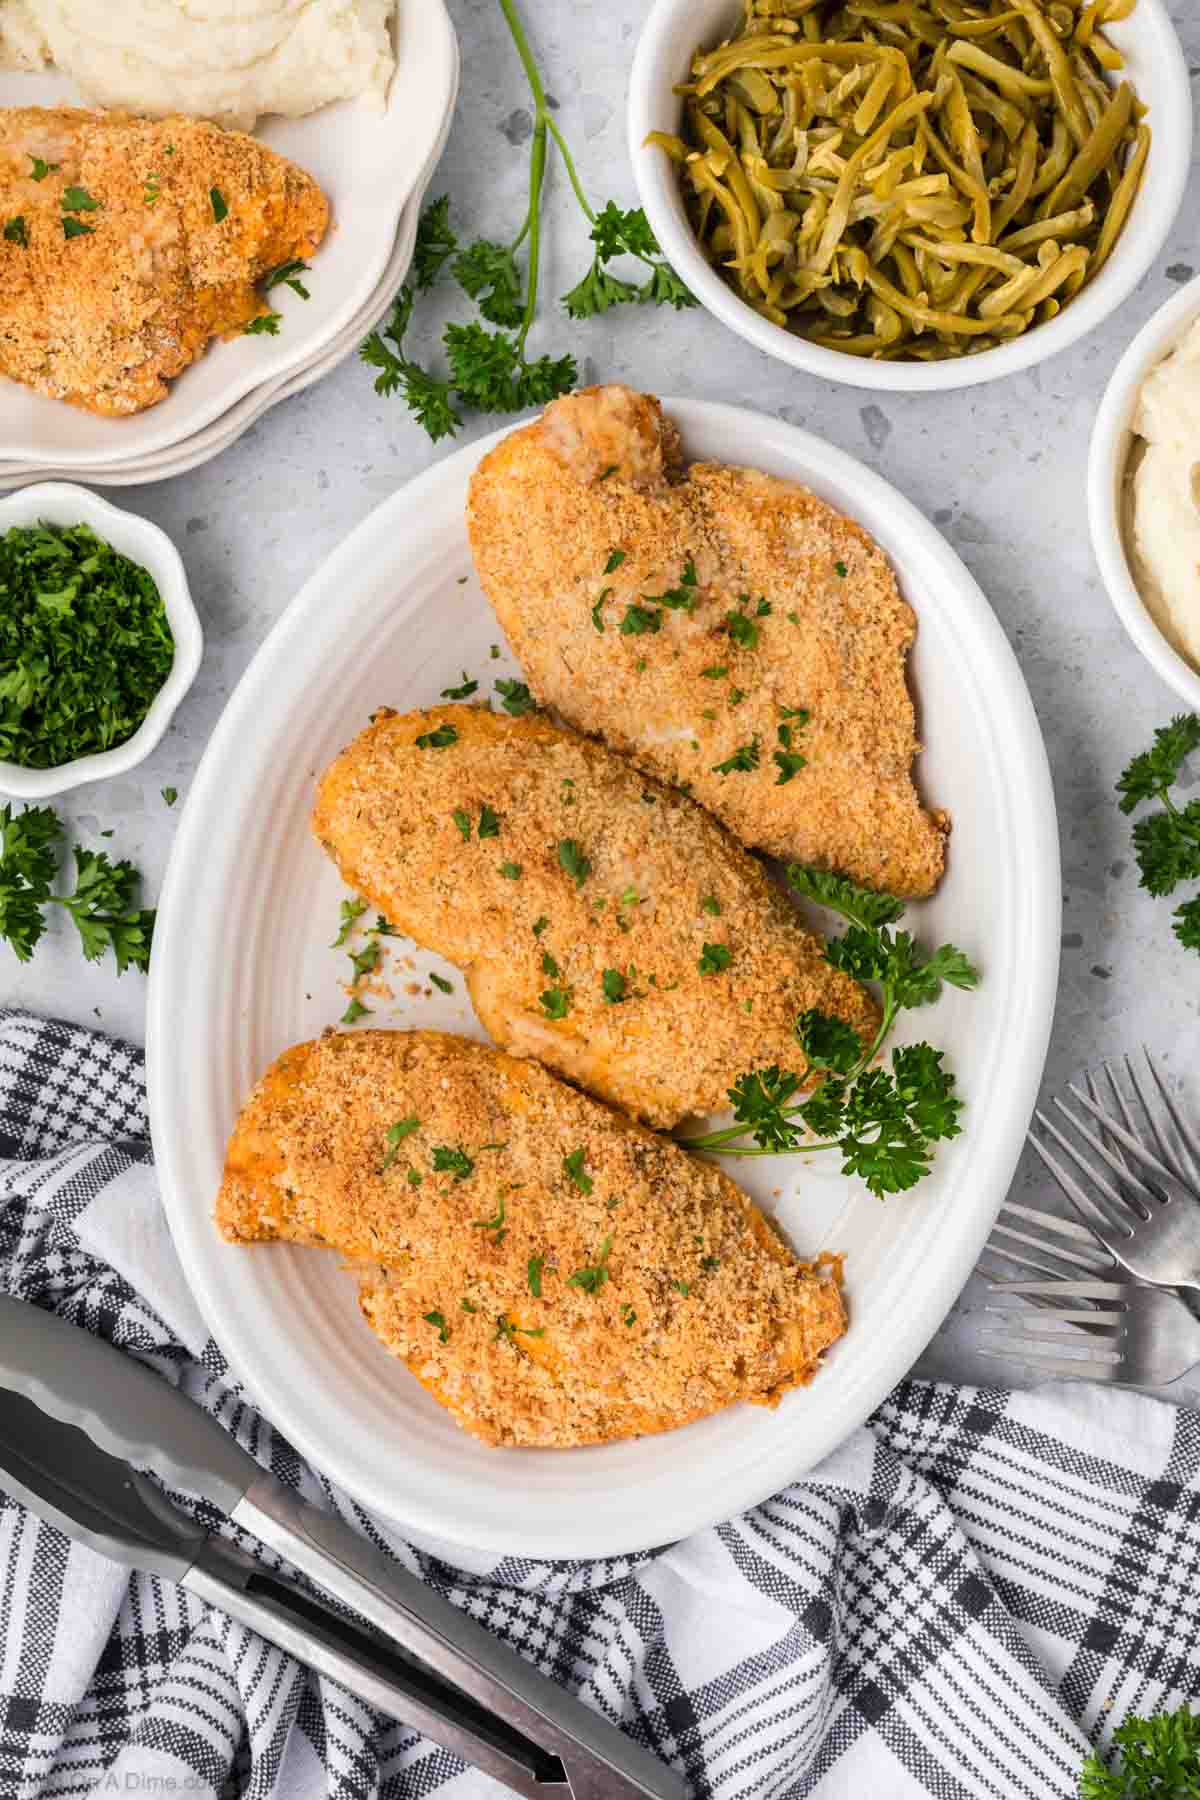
673	29
62	503
1108	458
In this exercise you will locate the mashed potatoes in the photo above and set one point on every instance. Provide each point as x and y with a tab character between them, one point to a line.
228	60
1164	496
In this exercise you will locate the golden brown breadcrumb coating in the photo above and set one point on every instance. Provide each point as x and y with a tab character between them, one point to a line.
606	924
105	317
565	1278
790	606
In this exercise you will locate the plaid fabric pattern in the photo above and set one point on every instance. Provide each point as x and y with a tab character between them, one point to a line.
956	1604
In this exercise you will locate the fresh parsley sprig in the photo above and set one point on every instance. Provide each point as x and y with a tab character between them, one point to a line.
1167	843
490	370
1159	1760
884	1121
103	904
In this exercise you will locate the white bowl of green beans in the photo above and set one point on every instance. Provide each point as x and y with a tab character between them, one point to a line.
877	211
99	639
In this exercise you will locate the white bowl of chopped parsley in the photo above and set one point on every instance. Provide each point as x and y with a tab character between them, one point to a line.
99	639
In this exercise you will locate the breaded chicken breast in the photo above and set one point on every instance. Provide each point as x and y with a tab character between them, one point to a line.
727	630
605	924
551	1272
126	244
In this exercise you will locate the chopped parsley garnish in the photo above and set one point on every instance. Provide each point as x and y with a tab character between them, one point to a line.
614	986
744	758
355	1011
15	232
605	473
574	1171
77	199
85	644
681	1287
716	673
736	696
489	822
415	1177
549	966
592	1277
710	904
466	1305
709	1263
170	795
572	860
463	821
515	698
788	761
351	912
628	1316
438	1321
598	610
511	871
73	228
763	609
41	169
366	960
556	1002
639	620
505	1329
714	958
742	630
439	981
395	1136
615	559
841	569
539	925
534	1271
220	210
466	688
497	1219
289	274
439	739
263	325
451	1160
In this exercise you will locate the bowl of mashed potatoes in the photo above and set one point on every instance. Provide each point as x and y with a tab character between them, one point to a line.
1144	491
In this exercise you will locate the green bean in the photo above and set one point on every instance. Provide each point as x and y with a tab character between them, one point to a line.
910	178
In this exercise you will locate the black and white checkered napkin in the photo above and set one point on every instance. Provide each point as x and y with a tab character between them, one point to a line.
955	1604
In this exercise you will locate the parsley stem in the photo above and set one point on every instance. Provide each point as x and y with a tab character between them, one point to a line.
735	1150
537	172
569	164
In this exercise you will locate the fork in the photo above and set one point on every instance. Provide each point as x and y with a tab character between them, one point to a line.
1142	1204
1136	1336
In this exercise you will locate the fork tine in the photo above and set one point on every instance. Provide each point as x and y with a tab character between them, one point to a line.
1169	1110
1088	1261
1077	1195
1126	1139
1070	1290
1107	1322
1082	1368
1052	1222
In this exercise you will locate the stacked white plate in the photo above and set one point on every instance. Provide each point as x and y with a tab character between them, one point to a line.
374	165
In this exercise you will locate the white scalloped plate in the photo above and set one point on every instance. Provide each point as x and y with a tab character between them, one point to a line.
242	967
367	161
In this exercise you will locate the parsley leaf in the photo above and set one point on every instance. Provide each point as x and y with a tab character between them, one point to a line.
439	739
220	209
742	631
591	1278
15	231
744	758
1159	1760
39	169
511	871
828	1042
440	982
394	1137
714	958
435	242
639	620
77	199
613	985
574	1171
465	689
28	864
533	1270
1166	843
438	1321
488	273
1149	775
489	822
289	274
516	698
351	912
615	559
265	325
496	1220
448	1160
556	1002
572	860
355	1011
860	905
